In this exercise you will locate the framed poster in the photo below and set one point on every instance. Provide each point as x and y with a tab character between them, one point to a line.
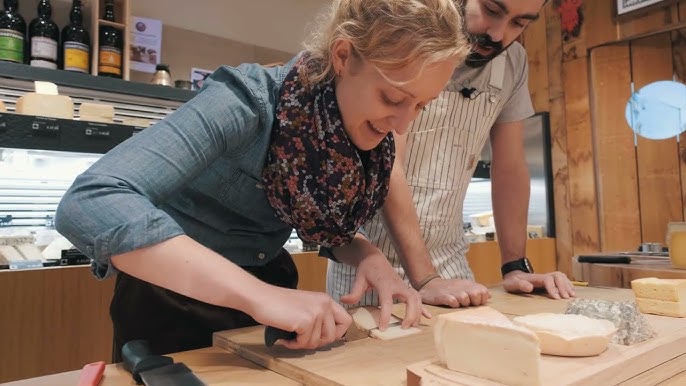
145	44
630	7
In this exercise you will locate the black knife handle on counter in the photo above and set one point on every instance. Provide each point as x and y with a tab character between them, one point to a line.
272	334
605	259
138	358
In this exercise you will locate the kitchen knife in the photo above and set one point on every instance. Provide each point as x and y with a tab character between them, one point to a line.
605	259
272	334
156	370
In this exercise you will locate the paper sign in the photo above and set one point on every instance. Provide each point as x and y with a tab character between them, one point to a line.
146	44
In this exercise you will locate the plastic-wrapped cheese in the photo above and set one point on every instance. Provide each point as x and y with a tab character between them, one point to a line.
484	343
569	334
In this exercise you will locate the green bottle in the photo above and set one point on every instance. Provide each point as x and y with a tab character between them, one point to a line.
12	33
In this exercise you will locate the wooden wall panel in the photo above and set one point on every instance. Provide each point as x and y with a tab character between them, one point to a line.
558	133
618	198
679	64
582	190
658	161
650	21
537	53
599	22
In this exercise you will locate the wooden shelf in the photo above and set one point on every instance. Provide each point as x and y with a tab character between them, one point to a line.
121	12
112	24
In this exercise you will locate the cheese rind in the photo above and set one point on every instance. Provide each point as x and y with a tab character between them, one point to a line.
56	106
671	290
662	307
484	343
569	334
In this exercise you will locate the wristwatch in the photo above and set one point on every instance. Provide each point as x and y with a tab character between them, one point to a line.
522	264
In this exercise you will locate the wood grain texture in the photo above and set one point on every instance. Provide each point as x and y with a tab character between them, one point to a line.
53	320
582	189
618	196
601	28
679	65
558	133
212	365
374	362
658	160
311	271
537	53
647	22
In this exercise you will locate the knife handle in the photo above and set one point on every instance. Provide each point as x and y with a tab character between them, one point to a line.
272	334
138	358
91	374
605	259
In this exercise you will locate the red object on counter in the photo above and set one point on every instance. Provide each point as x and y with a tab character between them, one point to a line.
91	375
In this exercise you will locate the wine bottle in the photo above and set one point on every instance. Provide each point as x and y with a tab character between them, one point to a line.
75	53
12	33
44	36
111	45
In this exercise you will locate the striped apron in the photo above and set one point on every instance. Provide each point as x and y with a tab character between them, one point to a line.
443	146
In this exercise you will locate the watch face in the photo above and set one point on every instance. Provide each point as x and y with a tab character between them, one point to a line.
527	265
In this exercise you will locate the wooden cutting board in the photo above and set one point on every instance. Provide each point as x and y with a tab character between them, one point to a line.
374	362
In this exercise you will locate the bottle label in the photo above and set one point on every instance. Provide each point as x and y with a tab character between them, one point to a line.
43	48
76	56
109	60
11	46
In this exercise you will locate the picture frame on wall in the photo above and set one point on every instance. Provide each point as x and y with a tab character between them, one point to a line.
630	8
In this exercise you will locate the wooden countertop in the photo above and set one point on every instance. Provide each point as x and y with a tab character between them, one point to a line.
219	367
213	365
621	275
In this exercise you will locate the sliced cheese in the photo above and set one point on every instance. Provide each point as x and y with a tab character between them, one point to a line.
96	112
484	343
569	334
672	290
30	251
56	106
662	307
9	253
366	320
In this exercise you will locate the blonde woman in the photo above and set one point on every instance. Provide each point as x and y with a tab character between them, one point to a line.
192	213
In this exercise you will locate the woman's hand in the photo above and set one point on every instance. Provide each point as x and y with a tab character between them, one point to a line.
374	271
314	316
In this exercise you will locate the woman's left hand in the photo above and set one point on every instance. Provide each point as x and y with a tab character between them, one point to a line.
374	271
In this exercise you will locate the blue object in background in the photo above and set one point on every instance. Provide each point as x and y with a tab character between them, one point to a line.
658	110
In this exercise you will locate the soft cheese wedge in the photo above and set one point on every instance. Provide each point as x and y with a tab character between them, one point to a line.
367	319
484	343
671	290
569	334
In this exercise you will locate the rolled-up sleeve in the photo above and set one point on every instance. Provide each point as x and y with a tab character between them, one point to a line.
112	208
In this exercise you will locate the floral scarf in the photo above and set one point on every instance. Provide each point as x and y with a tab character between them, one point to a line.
315	178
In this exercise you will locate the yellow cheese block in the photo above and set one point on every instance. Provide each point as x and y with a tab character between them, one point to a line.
96	112
671	290
662	307
484	343
55	106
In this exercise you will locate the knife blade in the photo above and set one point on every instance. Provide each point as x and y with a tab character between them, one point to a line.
156	370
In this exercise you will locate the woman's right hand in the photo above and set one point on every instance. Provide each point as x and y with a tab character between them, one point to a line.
314	316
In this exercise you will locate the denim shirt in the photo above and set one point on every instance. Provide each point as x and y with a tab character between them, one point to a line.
197	172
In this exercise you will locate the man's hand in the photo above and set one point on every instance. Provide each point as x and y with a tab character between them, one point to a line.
374	271
556	284
454	293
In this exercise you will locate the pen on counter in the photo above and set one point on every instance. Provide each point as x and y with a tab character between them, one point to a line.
580	283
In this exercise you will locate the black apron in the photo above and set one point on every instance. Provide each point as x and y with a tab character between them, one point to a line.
171	322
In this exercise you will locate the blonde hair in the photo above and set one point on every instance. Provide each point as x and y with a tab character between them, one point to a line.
390	34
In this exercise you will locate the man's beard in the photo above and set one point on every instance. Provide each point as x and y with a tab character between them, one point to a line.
475	59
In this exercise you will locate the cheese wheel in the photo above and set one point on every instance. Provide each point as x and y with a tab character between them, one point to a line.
569	334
